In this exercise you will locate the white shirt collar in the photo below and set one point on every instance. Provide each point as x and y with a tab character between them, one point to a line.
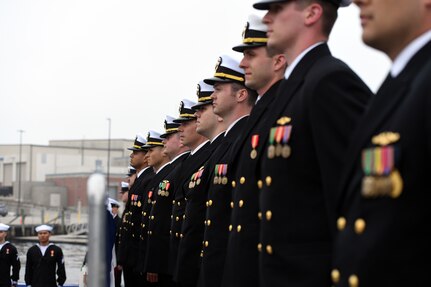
217	136
409	51
295	62
258	99
233	124
198	147
139	173
162	167
175	158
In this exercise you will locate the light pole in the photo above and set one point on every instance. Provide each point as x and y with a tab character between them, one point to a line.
109	154
19	171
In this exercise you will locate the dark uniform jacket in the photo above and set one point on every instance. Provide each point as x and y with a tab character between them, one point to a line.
383	207
189	166
241	267
40	270
149	201
9	258
117	222
192	231
217	218
157	253
132	216
311	124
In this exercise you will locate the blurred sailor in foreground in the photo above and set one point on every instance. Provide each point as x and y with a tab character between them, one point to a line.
383	207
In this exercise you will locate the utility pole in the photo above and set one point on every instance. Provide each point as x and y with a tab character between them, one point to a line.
19	171
109	154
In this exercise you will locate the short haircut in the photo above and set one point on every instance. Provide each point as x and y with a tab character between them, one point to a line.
330	13
252	94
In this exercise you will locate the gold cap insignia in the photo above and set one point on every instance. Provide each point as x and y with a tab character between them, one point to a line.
198	91
385	138
219	61
245	30
181	106
148	136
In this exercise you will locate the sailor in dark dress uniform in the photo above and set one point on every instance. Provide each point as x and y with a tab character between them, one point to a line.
45	262
211	127
157	252
232	101
8	260
132	217
263	72
199	146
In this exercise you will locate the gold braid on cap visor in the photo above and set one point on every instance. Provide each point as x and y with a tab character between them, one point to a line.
154	143
255	40
171	130
232	77
187	116
203	99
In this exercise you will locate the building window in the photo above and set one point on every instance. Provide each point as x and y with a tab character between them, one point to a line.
99	165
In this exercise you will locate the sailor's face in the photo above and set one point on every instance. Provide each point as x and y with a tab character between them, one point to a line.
3	236
43	236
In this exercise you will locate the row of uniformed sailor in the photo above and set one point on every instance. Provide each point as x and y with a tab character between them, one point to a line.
157	251
303	140
232	101
201	148
286	168
129	254
241	267
159	163
211	127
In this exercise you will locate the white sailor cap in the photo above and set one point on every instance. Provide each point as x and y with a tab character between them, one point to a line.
139	143
227	70
186	111
131	170
43	227
170	126
153	140
264	4
124	186
254	34
4	227
113	202
204	92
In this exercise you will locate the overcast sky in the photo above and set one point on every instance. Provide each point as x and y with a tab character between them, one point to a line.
67	66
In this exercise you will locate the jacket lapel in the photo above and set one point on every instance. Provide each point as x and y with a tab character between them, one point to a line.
290	86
